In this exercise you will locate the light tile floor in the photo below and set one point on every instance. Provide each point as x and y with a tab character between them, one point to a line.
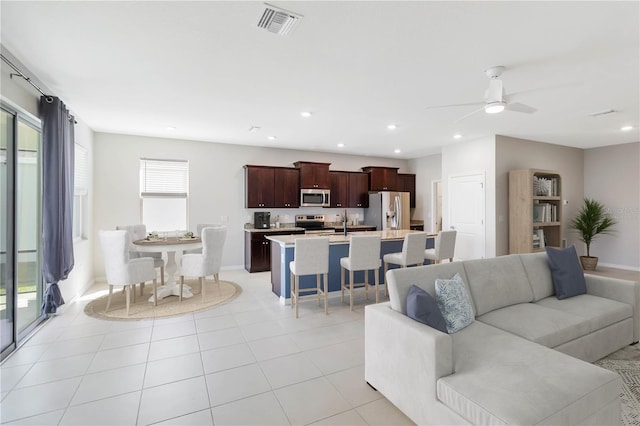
247	362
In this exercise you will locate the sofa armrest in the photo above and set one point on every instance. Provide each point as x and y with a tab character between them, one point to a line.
404	359
624	291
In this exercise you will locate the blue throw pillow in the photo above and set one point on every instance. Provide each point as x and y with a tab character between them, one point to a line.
454	303
422	307
566	272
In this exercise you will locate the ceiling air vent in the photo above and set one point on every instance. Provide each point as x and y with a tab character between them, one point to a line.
278	21
601	113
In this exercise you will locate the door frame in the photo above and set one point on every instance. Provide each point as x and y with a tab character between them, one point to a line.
434	202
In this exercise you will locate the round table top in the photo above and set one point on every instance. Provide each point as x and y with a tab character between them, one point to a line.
169	244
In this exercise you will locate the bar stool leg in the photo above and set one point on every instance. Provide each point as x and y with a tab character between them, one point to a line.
342	284
351	289
318	291
366	285
291	285
386	284
326	294
376	274
297	290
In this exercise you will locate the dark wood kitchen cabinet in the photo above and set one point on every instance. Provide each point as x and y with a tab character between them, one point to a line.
339	189
382	178
358	190
313	175
286	187
259	184
257	249
407	183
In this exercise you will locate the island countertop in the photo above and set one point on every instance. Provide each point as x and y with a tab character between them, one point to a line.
388	235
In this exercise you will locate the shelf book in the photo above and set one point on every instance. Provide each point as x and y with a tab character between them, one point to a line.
535	210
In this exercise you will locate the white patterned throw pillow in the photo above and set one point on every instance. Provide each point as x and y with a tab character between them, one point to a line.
454	302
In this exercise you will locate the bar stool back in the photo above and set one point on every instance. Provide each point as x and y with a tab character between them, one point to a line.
412	254
364	255
311	257
444	247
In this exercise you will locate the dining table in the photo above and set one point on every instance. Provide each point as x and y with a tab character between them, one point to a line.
169	245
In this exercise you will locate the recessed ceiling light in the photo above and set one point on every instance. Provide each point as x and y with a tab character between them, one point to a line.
392	126
340	145
271	138
306	114
626	128
397	151
457	136
170	128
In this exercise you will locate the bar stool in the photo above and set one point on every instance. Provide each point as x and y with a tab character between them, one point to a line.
444	247
412	254
364	255
311	257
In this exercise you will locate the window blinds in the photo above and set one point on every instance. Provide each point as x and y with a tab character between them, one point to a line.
164	178
80	184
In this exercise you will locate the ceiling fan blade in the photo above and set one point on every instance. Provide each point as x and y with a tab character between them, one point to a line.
518	107
470	114
455	105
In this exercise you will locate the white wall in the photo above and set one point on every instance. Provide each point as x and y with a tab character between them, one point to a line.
216	182
513	153
612	177
427	170
466	158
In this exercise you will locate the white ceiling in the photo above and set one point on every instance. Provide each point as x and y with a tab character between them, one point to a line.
207	70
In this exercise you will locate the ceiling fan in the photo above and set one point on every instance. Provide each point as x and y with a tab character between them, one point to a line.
495	99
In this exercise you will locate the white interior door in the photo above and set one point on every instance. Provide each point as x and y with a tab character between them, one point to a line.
466	215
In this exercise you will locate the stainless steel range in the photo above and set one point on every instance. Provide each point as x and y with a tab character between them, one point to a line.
313	224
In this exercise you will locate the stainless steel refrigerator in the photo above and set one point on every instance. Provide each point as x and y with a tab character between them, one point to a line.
388	210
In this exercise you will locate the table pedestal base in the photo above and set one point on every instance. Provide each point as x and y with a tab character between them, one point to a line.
172	289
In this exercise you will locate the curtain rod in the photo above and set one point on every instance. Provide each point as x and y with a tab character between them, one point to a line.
49	98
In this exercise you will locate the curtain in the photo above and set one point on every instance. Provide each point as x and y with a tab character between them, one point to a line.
57	201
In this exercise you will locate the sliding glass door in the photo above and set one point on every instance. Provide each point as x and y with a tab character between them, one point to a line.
21	226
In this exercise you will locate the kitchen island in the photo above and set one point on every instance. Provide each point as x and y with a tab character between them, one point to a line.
282	252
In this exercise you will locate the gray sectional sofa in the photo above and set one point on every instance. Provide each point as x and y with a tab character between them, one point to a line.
526	359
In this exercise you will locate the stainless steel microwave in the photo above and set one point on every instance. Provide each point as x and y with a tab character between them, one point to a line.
315	198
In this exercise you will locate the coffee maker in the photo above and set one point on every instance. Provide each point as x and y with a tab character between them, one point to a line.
261	220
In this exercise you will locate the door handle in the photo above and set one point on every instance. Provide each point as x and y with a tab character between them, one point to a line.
452	227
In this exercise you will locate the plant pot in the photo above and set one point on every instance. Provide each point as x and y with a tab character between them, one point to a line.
589	263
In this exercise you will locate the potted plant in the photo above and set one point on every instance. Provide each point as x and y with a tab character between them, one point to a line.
592	220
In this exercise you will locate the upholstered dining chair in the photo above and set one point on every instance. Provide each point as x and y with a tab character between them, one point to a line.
208	262
199	228
311	257
444	247
120	269
138	232
412	253
364	255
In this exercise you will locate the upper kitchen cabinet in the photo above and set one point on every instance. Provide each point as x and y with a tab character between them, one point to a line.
358	190
313	175
286	187
382	178
259	184
339	189
407	183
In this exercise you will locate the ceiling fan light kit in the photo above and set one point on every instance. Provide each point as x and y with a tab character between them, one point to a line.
494	107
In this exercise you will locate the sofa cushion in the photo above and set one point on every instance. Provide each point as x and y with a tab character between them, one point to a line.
454	302
422	307
566	272
400	281
597	311
547	326
539	274
497	282
503	379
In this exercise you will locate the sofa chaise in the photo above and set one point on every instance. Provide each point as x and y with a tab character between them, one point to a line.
526	357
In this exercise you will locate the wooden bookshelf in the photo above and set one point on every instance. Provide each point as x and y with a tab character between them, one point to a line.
535	207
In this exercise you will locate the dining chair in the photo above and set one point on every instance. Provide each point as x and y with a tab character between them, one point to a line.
199	228
444	247
364	255
208	262
412	253
311	257
120	269
139	232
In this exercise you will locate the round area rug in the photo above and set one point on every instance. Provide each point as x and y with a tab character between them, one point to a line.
143	309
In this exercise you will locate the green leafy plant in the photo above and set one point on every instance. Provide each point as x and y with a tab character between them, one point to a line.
592	219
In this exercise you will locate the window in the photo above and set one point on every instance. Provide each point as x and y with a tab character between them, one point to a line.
164	187
80	192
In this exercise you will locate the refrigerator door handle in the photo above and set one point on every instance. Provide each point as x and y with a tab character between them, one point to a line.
396	207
